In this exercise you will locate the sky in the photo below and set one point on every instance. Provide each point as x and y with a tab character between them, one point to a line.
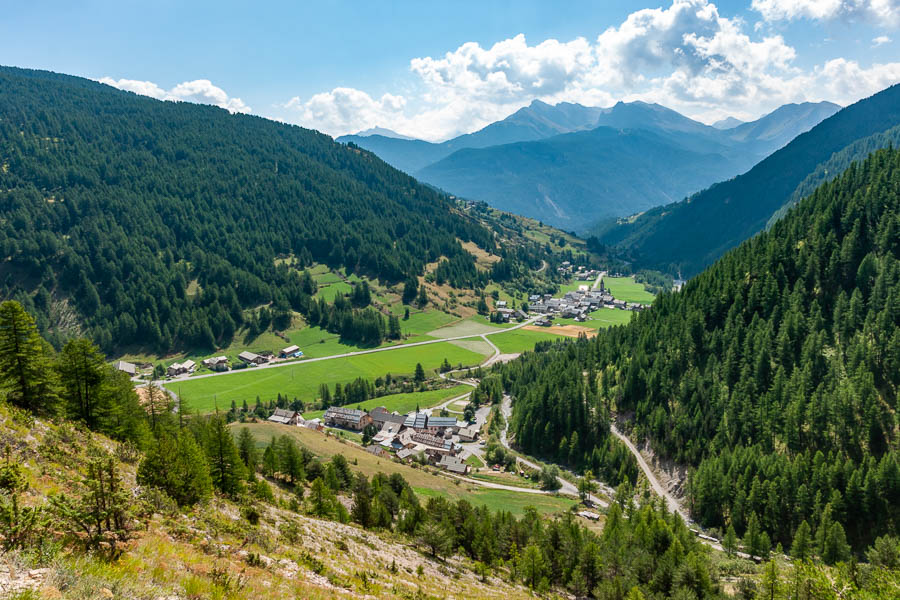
433	70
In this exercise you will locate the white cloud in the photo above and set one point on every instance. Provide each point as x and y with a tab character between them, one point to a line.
685	56
883	12
201	91
881	40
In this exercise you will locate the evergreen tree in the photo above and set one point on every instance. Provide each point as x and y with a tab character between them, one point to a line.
422	298
177	466
83	372
24	364
801	549
225	466
419	376
247	450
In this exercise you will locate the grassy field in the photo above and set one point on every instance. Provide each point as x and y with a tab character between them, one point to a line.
471	326
424	483
404	403
625	288
521	340
573	286
505	479
509	501
600	319
302	380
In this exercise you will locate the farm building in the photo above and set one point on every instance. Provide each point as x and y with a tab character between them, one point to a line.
286	417
349	418
216	363
381	416
126	367
252	358
290	352
453	464
175	369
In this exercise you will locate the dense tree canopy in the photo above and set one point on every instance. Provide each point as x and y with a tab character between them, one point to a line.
112	204
774	373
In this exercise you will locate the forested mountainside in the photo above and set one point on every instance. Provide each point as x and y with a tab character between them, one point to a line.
686	236
774	374
113	204
140	500
837	164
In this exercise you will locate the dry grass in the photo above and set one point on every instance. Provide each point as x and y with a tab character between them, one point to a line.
565	330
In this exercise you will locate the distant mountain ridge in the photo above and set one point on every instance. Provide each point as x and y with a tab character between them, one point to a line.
529	163
686	236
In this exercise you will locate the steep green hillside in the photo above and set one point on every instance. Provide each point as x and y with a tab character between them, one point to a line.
153	226
774	374
837	164
688	235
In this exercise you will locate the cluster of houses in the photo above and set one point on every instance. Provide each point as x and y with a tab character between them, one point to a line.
217	363
578	303
436	439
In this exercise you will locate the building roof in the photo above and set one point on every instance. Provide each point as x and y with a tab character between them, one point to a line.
442	421
416	421
126	367
341	412
290	349
282	415
428	440
469	432
248	356
382	416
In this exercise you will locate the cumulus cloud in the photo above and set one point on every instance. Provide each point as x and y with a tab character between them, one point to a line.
200	91
885	12
881	40
685	56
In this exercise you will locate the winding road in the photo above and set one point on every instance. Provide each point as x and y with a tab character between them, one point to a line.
671	503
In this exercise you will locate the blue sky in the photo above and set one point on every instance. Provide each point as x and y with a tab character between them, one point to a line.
434	69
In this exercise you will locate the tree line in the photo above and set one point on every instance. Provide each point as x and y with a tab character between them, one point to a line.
773	374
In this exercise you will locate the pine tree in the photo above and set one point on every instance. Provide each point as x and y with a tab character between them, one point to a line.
225	466
178	467
730	541
24	364
802	545
420	373
422	298
247	450
410	290
83	372
532	565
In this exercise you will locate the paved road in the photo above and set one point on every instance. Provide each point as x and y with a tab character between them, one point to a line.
599	279
358	353
566	486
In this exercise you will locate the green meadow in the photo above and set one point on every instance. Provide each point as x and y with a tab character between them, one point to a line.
302	379
404	403
625	288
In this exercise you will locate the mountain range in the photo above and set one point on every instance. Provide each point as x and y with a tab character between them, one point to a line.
684	237
572	165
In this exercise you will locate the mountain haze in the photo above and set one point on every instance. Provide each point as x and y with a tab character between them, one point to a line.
688	235
533	122
529	163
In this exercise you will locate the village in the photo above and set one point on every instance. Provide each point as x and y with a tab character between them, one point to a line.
418	436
